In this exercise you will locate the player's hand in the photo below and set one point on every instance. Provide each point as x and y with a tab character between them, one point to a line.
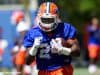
37	42
36	45
57	47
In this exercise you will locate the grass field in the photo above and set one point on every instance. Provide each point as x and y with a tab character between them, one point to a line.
84	71
77	71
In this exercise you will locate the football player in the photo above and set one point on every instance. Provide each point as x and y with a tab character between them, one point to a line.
18	51
51	42
93	44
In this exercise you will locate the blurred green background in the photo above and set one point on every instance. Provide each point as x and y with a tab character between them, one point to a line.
78	12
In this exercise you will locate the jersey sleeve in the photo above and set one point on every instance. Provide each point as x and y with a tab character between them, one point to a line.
28	39
70	32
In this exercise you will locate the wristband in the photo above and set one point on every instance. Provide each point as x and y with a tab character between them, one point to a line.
65	51
33	51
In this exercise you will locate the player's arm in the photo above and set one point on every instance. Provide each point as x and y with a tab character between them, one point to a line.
74	47
68	47
31	43
29	58
32	51
72	41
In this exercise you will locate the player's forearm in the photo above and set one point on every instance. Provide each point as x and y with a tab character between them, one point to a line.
29	58
75	49
33	50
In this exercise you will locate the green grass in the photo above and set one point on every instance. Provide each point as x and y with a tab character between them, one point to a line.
84	71
80	71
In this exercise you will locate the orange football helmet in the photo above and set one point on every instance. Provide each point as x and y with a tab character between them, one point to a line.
48	16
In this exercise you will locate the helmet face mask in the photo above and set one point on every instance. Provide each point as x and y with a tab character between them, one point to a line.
48	22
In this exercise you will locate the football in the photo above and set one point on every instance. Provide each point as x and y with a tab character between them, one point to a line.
65	43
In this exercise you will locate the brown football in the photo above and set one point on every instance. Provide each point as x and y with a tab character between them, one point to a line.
65	43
